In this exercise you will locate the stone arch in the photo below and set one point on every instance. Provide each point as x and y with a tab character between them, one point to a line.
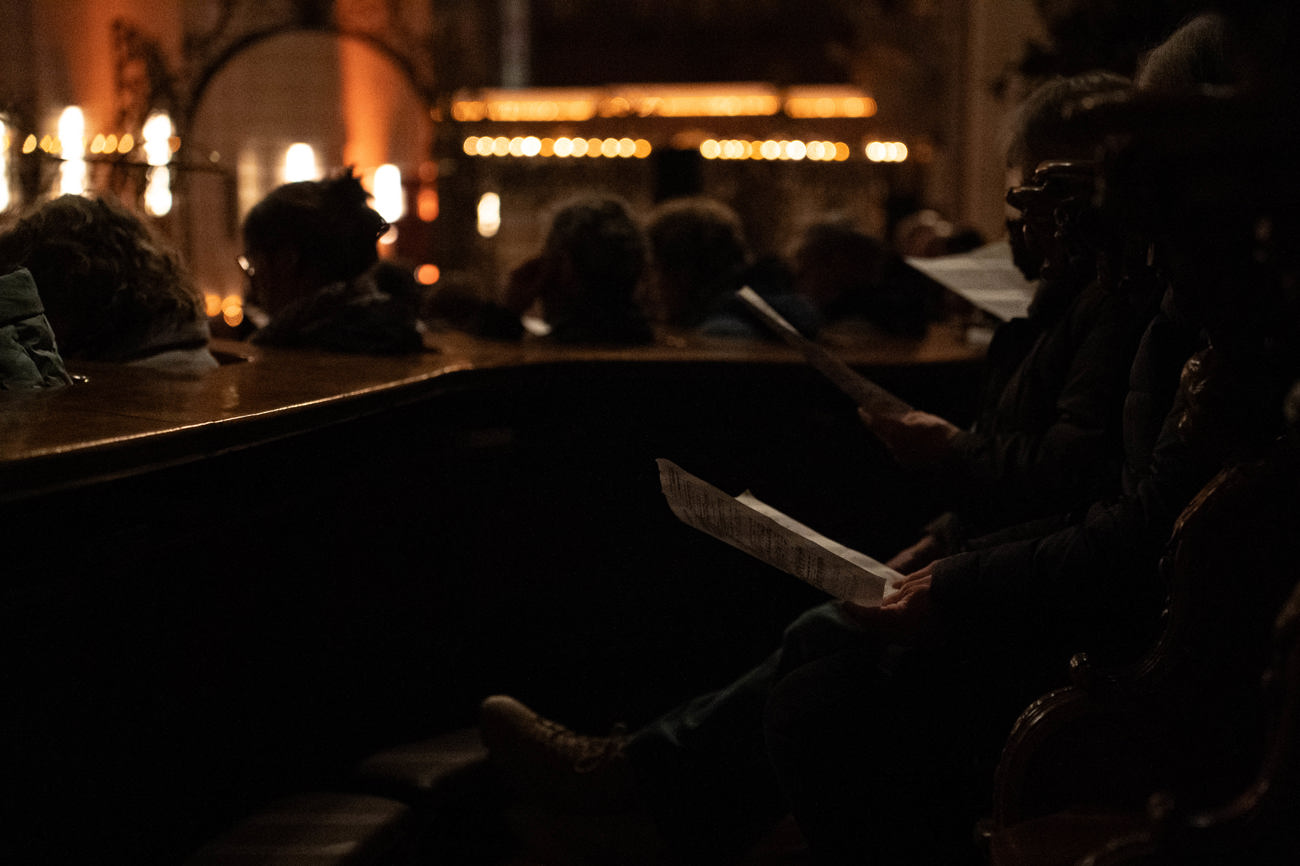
237	25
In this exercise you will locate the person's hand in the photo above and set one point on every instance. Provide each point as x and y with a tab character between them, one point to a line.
904	616
914	438
524	285
919	555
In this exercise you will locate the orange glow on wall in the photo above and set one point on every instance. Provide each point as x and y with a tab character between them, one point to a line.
368	105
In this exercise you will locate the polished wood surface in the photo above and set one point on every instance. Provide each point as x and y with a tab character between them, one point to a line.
118	419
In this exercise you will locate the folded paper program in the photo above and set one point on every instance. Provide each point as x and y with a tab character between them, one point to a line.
768	535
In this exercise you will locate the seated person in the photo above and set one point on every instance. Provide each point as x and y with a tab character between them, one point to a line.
716	770
585	277
579	288
312	260
699	258
113	290
852	277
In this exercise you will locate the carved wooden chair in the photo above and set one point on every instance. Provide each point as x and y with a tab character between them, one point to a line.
1189	755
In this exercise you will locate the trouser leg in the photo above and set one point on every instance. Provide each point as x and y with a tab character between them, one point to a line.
703	766
885	758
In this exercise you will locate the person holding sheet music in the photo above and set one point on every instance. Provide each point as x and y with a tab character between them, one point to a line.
989	629
1048	441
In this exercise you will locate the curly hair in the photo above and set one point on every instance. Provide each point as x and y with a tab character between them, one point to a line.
328	222
106	279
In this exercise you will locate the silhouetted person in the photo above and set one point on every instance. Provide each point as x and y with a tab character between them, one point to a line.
312	261
699	258
113	290
585	277
851	276
580	287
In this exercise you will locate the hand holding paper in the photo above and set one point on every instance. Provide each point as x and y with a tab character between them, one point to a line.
771	536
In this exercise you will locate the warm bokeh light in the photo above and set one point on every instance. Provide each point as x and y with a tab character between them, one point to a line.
886	151
426	204
725	99
489	214
4	164
691	100
427	275
72	144
389	198
232	310
827	101
300	163
157	135
212	304
158	192
816	151
29	144
529	146
537	106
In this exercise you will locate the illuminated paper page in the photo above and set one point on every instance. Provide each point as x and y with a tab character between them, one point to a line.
987	277
766	534
863	391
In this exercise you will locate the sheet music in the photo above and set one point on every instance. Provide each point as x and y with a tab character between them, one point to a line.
865	393
752	526
987	277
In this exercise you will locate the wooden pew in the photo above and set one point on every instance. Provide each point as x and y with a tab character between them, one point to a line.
223	590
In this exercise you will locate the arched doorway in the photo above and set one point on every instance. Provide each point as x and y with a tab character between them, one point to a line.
342	96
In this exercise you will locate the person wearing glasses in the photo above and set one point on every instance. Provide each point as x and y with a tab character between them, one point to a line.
314	273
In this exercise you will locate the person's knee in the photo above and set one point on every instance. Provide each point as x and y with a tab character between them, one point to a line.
819	631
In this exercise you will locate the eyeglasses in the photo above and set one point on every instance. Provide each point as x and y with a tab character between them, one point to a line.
245	265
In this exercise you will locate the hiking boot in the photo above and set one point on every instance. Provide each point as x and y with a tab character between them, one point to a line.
542	760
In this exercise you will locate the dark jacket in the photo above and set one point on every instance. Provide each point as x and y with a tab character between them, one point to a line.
356	317
29	357
1094	584
1049	436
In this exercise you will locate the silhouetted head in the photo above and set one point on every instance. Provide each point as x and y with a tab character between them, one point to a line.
1194	55
587	273
835	261
1041	128
110	285
309	234
698	253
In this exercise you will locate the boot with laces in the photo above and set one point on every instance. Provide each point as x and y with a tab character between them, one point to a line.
546	762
